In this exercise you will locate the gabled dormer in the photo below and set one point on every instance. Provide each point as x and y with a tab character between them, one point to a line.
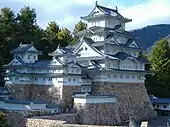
64	54
27	52
105	17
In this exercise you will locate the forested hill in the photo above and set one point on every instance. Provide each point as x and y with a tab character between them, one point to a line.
147	36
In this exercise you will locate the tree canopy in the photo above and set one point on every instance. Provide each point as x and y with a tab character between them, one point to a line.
160	67
22	27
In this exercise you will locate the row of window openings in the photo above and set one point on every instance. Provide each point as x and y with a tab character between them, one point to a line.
52	70
73	79
85	54
125	66
158	106
36	79
29	56
97	38
95	23
121	76
85	89
30	70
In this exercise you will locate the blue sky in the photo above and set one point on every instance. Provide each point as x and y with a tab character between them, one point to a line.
68	12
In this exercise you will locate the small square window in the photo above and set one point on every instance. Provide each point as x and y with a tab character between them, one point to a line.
16	78
50	79
121	75
34	57
127	76
28	56
74	80
44	78
164	106
69	79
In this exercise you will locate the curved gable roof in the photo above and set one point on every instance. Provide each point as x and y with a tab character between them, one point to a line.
23	48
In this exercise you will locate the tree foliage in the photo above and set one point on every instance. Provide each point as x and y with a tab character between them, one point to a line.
22	27
78	27
160	67
3	121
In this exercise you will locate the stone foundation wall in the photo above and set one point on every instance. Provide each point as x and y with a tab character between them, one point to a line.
45	92
67	92
35	92
54	123
131	99
98	114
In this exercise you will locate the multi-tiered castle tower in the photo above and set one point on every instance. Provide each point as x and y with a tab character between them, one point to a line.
102	72
112	58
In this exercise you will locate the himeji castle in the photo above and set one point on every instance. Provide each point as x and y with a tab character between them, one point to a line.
107	49
102	70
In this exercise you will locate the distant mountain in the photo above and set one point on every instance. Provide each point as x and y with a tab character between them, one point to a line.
147	36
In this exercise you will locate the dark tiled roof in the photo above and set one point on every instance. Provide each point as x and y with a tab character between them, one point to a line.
1	94
129	41
62	50
52	106
17	102
142	60
156	100
106	10
23	48
40	63
123	56
40	102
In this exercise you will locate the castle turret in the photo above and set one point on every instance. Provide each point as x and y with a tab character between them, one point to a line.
27	52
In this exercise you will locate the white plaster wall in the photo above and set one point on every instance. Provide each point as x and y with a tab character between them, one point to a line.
72	81
96	38
112	22
95	100
40	81
38	106
31	60
87	51
120	77
111	63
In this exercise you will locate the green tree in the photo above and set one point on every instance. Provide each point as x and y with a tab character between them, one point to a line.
64	36
28	30
3	121
160	66
51	32
78	27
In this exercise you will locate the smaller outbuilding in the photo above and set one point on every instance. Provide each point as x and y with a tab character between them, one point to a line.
161	105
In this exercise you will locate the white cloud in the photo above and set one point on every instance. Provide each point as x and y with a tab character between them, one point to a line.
152	12
68	12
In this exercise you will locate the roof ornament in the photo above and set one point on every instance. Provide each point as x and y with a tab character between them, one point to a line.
20	43
116	8
32	43
96	2
58	46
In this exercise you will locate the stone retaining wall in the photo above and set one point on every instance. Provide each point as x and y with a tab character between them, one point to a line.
131	99
35	92
45	92
98	114
67	92
16	119
55	123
